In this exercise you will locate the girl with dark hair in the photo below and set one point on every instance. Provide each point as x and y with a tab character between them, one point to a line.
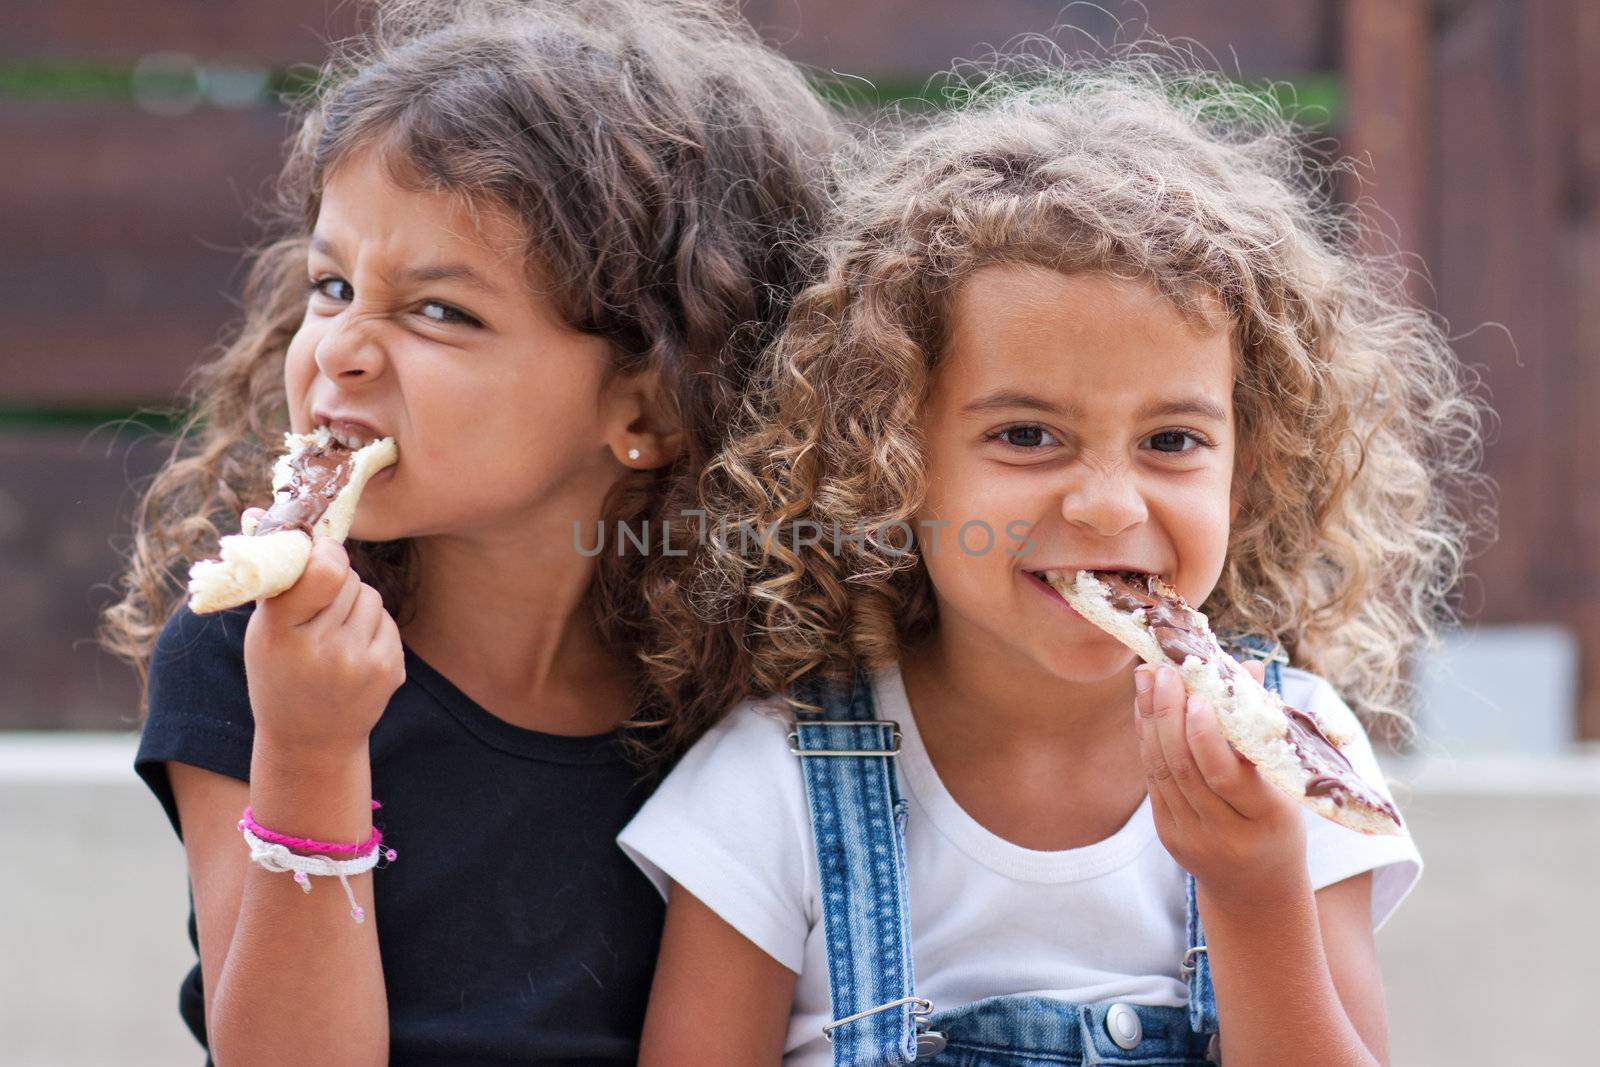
537	244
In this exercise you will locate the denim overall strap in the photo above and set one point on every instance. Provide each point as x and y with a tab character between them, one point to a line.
1196	962
1197	969
858	821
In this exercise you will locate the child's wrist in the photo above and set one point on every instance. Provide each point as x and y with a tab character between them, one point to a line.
272	751
311	791
1254	892
304	857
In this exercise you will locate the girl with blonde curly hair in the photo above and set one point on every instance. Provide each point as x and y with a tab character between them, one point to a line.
1100	321
539	244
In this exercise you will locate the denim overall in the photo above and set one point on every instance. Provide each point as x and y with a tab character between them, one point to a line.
858	820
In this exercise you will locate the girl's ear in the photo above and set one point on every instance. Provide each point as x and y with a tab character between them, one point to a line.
641	429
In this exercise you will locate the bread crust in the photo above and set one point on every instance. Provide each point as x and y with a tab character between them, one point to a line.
1252	717
256	567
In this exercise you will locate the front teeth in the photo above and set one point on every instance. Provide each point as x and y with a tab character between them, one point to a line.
348	438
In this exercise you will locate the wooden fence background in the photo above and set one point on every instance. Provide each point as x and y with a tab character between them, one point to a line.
128	181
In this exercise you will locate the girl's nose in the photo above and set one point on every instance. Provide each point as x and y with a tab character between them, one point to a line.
348	351
1105	503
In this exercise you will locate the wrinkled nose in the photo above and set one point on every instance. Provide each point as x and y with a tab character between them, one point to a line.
349	352
1104	502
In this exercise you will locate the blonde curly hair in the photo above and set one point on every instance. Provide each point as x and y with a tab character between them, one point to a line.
1362	427
667	168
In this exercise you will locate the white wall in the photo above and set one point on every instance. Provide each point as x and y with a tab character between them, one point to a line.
1495	958
93	902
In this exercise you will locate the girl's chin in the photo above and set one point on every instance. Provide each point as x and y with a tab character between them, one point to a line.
373	519
373	527
1089	661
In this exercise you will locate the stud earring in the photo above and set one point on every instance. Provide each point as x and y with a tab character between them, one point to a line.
633	453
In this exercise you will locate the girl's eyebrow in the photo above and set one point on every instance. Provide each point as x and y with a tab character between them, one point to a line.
323	246
1188	405
458	272
1009	399
437	272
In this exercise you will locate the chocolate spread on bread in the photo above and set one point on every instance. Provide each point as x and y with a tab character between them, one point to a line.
317	474
1182	632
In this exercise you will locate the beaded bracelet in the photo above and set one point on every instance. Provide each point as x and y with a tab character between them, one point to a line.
272	851
306	844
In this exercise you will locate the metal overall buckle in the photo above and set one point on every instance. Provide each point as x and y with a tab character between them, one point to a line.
794	738
929	1042
1188	967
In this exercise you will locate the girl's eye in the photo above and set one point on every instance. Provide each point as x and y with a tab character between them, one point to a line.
333	288
1175	441
444	313
1025	436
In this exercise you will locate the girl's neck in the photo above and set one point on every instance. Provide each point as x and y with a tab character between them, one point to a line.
507	618
1044	763
996	697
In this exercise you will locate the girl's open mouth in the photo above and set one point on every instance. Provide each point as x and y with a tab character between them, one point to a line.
1037	579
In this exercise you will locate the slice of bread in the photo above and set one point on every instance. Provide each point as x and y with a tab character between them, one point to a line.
1295	751
252	567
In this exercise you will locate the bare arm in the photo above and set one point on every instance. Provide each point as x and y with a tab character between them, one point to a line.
278	963
1296	973
1296	976
1344	915
717	999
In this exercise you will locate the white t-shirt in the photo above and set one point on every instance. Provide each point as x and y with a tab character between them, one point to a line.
1100	923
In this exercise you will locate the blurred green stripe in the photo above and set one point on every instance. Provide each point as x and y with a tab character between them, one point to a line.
65	81
165	81
1311	99
174	83
27	418
1315	99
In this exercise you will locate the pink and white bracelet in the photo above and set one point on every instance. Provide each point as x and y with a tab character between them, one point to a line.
275	852
306	844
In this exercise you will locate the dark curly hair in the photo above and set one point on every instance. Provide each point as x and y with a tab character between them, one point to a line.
666	167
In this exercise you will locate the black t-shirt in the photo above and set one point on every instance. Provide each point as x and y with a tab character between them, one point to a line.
512	927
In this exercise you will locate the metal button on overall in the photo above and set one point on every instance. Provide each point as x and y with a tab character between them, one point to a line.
1122	1023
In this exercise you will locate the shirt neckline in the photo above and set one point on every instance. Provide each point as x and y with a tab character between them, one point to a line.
495	732
1005	858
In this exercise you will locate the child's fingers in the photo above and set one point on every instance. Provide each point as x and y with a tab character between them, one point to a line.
1159	791
381	619
365	612
321	582
1255	668
1143	688
1221	767
367	615
1171	718
347	604
383	636
1235	780
339	608
1161	813
1155	712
